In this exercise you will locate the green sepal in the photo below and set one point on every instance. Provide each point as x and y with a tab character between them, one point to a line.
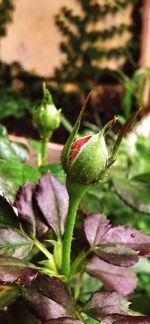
108	127
124	130
66	150
57	251
50	264
47	98
52	273
75	189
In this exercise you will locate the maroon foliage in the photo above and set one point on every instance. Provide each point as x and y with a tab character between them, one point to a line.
12	269
119	279
62	320
48	299
28	212
129	237
125	319
119	245
104	303
96	226
52	199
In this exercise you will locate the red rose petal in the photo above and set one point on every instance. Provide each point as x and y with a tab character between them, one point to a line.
77	145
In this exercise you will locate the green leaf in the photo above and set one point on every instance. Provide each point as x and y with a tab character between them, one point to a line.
144	177
8	295
143	266
8	216
55	169
9	149
91	202
35	145
17	318
14	243
13	174
89	285
13	103
140	303
20	150
134	193
6	150
91	320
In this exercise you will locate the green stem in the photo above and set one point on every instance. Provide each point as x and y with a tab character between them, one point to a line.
80	260
76	191
42	156
44	144
73	205
49	256
42	248
38	159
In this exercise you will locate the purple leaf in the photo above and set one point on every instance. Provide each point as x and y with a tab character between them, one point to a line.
52	288
13	269
28	212
95	227
119	279
48	298
43	307
135	193
105	303
111	244
125	319
24	204
62	320
19	313
14	243
117	254
129	237
52	199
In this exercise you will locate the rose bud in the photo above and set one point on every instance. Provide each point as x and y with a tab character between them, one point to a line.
46	117
88	157
86	160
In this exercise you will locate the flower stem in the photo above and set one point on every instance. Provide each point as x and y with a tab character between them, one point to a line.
76	191
73	205
44	150
44	250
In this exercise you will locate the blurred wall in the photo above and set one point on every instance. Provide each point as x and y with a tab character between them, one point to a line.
33	39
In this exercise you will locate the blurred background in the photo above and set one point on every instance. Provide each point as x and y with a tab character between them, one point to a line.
74	46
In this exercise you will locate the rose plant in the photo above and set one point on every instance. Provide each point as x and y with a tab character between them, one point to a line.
46	118
46	256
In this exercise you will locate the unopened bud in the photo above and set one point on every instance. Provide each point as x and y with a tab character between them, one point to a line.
46	117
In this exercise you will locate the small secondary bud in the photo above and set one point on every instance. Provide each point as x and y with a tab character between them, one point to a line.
46	117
